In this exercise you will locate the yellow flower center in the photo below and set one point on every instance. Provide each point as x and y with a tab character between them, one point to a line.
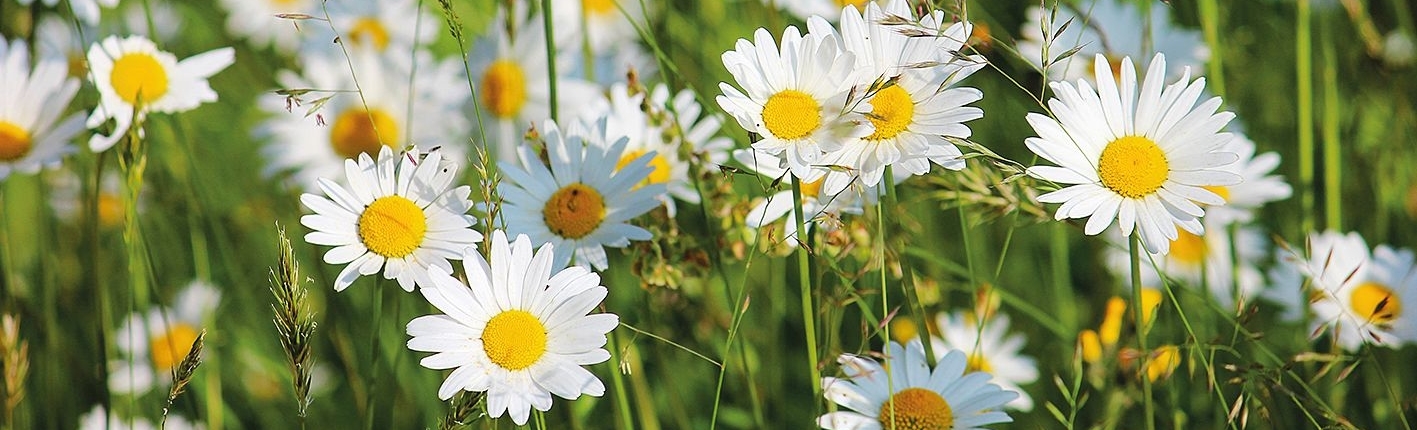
979	37
597	7
659	175
392	226
110	210
892	111
903	330
812	190
359	131
367	29
1219	190
138	76
1375	303
859	4
574	211
514	339
1188	248
791	114
504	89
15	142
1133	167
1163	362
168	349
978	363
917	409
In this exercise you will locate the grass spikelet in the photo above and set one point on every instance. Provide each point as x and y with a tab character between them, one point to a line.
295	323
182	374
14	360
462	411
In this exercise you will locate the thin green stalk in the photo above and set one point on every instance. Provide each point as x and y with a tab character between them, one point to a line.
804	284
375	323
907	279
1304	69
617	379
1210	28
1062	278
1138	315
1333	168
547	25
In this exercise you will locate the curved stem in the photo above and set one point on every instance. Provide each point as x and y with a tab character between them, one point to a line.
804	283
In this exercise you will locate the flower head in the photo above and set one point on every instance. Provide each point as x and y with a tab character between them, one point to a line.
912	395
32	132
134	78
155	342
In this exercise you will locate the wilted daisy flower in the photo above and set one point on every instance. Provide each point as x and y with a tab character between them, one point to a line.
1111	28
85	10
990	349
651	127
914	114
795	97
1360	296
946	397
133	76
386	112
152	344
1142	160
807	8
256	20
513	88
519	330
100	419
378	25
398	215
1258	187
1199	260
583	202
32	134
817	205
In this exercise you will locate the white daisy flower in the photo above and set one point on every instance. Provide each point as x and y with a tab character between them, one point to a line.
256	21
991	350
1140	159
1111	28
398	214
1258	188
152	344
100	419
33	131
513	88
795	97
519	330
133	76
1286	287
913	116
167	21
86	11
817	205
805	9
663	132
67	199
380	25
912	395
387	112
1361	296
1198	260
583	202
605	25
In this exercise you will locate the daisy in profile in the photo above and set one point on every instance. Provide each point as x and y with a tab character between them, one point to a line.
1199	260
133	76
1360	296
32	132
1142	160
153	343
990	349
86	11
256	21
379	25
397	215
385	112
817	205
914	114
582	202
912	395
519	330
650	126
796	97
1112	28
1259	187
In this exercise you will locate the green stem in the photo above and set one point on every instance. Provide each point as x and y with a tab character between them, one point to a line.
912	298
1062	278
1210	28
375	324
617	379
547	25
1304	69
804	284
1139	315
1333	169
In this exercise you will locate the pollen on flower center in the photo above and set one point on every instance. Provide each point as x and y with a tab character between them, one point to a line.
359	131
978	363
917	409
1133	167
392	226
503	88
892	111
168	349
1375	303
574	211
15	142
791	114
659	175
138	76
367	29
514	339
1188	248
